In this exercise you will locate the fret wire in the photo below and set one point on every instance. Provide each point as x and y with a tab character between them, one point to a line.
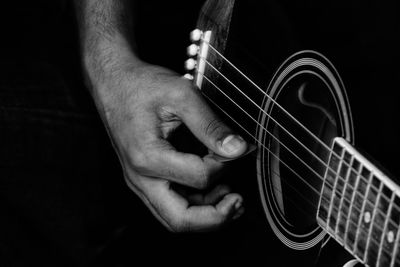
372	219
361	216
395	247
363	209
372	240
344	192
390	221
334	186
385	227
369	201
356	192
358	174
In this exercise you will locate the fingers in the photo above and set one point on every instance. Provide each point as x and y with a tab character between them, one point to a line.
151	154
175	212
208	128
163	161
210	198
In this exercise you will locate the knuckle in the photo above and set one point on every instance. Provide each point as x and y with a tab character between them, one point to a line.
223	213
202	181
139	161
213	127
181	93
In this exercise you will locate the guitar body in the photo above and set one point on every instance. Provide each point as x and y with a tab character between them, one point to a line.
333	66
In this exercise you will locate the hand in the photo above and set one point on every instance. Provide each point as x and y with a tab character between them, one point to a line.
141	106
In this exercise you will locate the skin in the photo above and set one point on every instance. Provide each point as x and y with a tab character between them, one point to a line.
141	105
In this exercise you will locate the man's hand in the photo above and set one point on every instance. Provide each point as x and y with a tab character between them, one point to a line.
141	105
146	105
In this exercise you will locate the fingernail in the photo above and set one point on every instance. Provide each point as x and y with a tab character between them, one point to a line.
232	143
238	204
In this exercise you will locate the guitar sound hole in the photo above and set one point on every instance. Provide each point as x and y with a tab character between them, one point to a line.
296	177
291	171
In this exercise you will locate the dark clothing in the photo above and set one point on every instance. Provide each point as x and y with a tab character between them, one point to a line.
63	200
54	158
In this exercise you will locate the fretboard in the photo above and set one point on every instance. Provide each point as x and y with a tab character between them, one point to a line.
360	207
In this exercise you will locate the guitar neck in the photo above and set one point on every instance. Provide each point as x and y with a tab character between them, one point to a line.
360	207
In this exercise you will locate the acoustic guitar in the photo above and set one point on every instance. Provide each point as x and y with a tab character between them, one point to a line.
279	73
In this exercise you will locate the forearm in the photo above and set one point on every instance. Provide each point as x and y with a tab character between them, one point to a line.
106	37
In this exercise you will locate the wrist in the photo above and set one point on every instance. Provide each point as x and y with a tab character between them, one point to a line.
105	63
105	58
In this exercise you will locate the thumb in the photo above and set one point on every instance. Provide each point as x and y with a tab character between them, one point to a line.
210	130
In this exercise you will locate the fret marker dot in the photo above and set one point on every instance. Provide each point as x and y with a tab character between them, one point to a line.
390	236
367	217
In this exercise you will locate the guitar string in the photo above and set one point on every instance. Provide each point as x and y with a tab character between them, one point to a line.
290	198
278	158
305	164
276	103
286	112
268	115
272	135
294	189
